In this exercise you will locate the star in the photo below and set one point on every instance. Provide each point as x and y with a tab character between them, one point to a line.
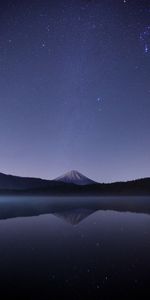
43	45
48	28
146	48
145	38
99	99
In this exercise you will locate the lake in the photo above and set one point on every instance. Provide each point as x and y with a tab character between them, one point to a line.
74	248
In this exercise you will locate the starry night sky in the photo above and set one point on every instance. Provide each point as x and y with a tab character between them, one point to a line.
75	88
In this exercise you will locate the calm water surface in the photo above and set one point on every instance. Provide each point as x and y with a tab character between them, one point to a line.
72	249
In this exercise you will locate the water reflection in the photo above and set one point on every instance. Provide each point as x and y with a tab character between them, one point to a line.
75	216
72	209
104	256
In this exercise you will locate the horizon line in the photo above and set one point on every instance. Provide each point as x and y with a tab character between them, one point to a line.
54	179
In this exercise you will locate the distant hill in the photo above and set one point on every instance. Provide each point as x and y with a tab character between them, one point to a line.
11	182
72	183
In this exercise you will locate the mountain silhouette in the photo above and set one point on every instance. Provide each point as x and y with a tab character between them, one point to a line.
11	182
71	183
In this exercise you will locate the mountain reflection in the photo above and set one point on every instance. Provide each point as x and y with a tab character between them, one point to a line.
72	209
75	216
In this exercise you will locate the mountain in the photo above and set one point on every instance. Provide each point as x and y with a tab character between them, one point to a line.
75	177
72	183
11	182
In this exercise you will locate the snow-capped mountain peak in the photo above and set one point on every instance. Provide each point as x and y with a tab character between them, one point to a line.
75	177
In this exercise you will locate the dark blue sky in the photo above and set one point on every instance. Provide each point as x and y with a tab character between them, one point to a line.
75	88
